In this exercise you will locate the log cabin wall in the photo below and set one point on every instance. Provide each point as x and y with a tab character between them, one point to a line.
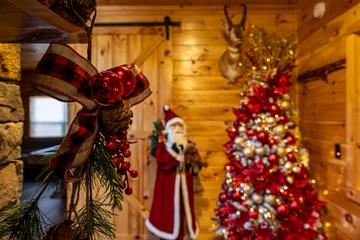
323	108
199	94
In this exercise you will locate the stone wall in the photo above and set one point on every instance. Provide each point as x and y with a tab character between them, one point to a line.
11	125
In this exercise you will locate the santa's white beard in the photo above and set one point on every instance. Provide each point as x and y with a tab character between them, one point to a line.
179	139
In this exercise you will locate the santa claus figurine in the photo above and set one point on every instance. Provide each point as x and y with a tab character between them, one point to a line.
173	200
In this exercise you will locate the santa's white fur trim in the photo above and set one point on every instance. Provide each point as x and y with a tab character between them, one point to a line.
176	227
174	120
166	108
185	194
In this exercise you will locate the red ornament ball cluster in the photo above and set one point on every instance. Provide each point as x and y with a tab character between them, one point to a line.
119	149
111	86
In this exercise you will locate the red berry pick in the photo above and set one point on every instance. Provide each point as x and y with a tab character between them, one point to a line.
128	191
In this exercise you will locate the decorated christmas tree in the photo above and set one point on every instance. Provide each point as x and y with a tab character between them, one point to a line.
267	192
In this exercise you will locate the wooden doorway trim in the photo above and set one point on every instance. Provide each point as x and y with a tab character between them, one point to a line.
353	117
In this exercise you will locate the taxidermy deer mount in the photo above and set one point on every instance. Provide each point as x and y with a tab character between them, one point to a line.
233	34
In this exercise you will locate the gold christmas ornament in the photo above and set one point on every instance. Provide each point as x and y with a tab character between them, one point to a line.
285	105
281	151
242	129
260	151
296	169
270	199
290	179
247	189
248	152
288	165
279	130
239	140
270	121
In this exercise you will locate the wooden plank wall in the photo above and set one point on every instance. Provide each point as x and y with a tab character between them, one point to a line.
322	109
200	95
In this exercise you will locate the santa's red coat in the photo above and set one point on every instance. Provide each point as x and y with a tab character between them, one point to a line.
164	220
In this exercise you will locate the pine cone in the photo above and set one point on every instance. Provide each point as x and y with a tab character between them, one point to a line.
117	118
61	231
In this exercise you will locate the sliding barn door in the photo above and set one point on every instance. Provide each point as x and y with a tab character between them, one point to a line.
152	52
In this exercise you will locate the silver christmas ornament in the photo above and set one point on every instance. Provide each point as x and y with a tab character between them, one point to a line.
257	198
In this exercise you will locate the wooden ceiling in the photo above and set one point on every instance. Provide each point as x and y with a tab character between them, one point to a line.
195	2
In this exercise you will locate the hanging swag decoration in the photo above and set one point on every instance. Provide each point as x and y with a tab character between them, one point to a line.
105	97
94	150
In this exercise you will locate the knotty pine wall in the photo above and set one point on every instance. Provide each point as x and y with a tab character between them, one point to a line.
200	95
323	108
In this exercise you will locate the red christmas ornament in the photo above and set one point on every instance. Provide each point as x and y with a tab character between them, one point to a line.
123	145
291	157
134	173
295	205
284	80
250	132
229	167
127	153
310	196
285	194
107	88
290	139
125	165
283	119
254	107
273	158
259	238
283	210
262	136
123	135
111	146
253	214
127	78
272	142
274	109
117	160
303	173
231	133
112	138
223	197
236	195
128	191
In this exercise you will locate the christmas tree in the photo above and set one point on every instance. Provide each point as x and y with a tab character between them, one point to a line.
267	192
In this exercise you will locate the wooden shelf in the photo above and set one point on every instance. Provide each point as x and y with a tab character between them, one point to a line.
31	22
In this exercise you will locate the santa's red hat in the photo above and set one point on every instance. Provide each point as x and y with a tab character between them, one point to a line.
171	117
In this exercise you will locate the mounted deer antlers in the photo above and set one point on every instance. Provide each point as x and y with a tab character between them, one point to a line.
233	34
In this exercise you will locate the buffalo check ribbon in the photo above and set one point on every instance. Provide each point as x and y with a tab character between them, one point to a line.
65	75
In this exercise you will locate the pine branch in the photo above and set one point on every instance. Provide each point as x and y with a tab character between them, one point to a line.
22	221
47	176
106	171
93	220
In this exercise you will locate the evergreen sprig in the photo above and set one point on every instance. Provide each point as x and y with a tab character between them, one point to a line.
93	221
22	221
106	171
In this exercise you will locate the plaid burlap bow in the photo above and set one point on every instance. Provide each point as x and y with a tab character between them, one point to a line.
65	75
